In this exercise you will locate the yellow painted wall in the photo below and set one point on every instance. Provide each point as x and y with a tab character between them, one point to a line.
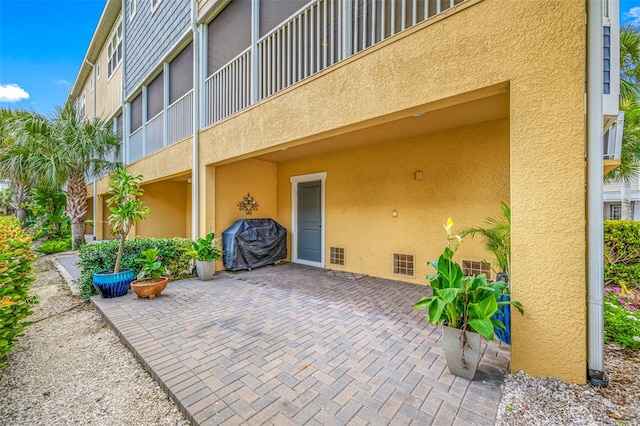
167	217
175	159
538	47
233	182
88	229
465	176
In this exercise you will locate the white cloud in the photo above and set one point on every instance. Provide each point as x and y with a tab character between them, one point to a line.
633	15
62	82
12	93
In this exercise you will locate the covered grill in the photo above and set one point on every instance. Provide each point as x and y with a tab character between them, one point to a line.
251	243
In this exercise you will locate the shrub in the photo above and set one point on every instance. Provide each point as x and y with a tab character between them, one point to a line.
16	266
55	246
622	253
100	256
621	318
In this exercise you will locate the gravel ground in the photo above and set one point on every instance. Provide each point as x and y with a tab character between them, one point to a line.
548	401
70	368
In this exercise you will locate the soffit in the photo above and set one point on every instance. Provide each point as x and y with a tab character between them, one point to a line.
472	112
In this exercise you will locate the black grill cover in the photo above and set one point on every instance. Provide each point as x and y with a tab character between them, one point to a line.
250	243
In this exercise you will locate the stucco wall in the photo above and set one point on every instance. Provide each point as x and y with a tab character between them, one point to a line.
465	176
167	216
538	47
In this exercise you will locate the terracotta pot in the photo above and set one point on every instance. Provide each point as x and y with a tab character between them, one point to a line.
453	352
149	287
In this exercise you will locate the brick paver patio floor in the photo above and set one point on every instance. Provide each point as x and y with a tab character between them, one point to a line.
291	344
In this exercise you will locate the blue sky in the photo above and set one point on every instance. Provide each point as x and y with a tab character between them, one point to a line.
43	43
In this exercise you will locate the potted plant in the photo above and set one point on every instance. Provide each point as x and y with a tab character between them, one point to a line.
466	306
496	234
206	252
126	210
150	280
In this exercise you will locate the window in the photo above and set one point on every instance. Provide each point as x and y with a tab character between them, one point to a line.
403	264
91	81
181	74
98	71
475	268
615	211
132	9
114	51
82	105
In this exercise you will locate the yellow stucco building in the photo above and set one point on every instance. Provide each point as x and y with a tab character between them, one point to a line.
372	123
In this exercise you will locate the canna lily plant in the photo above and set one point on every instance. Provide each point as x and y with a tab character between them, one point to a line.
466	303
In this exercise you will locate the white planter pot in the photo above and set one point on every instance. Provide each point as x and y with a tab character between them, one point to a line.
205	269
453	352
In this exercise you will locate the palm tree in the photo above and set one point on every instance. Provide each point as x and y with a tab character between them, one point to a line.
66	149
15	160
629	63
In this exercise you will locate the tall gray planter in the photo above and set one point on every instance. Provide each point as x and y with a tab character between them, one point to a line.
205	269
453	352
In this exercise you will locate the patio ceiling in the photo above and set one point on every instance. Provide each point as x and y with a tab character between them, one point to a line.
410	124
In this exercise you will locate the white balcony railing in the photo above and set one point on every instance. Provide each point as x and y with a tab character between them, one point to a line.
228	90
319	35
135	146
180	118
154	136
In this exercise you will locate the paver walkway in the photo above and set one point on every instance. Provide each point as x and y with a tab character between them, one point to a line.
297	345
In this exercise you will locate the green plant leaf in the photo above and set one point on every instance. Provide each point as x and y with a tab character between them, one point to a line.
483	326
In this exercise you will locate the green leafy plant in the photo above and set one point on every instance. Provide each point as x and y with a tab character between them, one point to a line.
125	206
622	253
622	317
98	257
150	264
206	248
55	246
466	303
16	267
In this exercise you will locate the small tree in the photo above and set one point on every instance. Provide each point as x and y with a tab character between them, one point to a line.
125	206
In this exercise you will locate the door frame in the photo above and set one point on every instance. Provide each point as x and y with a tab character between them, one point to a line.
295	180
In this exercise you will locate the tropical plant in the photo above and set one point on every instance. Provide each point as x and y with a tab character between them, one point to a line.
6	204
99	257
125	205
629	63
206	248
55	246
496	234
63	150
16	267
16	159
47	208
150	264
466	303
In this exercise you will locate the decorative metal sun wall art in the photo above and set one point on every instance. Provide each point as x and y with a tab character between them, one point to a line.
248	204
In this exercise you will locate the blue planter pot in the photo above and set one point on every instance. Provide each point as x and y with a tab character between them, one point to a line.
111	285
504	315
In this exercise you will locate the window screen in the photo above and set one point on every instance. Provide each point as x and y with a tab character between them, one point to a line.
155	96
136	113
229	34
275	12
181	74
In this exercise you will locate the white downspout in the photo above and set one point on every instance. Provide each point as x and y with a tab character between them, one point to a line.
195	171
595	214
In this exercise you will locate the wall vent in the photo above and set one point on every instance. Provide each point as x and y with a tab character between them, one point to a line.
403	264
336	256
475	268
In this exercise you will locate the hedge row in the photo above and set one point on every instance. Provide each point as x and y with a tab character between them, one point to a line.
622	253
16	267
102	256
